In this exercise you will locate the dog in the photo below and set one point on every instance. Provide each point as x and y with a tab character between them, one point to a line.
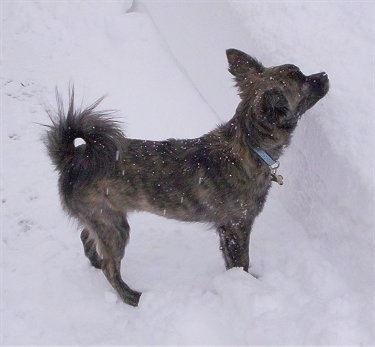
221	178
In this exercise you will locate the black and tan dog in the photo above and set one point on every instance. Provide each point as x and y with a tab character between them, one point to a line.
221	178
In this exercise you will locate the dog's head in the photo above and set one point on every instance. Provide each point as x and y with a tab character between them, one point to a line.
278	95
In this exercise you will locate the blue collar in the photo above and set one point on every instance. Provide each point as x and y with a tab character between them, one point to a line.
264	156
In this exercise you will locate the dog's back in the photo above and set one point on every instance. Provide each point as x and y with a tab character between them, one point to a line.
201	180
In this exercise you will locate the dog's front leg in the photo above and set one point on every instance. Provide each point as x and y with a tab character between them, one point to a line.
234	243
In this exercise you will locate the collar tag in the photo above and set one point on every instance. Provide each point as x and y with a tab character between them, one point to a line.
272	164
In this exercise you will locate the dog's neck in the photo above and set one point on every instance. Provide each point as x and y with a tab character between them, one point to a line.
241	129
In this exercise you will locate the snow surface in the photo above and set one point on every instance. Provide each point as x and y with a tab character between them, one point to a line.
163	66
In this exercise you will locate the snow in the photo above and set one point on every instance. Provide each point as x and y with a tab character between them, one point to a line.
162	65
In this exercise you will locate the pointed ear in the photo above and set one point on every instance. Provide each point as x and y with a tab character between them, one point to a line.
241	63
274	106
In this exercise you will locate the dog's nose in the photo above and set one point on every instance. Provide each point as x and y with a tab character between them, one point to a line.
319	82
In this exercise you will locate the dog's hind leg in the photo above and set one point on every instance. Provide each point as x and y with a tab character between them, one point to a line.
89	246
234	243
113	234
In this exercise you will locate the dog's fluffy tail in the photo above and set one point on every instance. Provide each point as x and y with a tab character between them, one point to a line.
103	139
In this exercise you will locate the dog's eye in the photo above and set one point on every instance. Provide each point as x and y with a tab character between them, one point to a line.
297	75
293	72
292	67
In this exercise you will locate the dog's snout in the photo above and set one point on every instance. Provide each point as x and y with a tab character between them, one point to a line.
319	82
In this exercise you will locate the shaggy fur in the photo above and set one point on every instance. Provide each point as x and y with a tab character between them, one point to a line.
216	178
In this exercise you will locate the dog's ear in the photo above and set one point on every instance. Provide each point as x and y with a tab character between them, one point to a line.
241	64
274	106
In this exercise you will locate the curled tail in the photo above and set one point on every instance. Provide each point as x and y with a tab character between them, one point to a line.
104	141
